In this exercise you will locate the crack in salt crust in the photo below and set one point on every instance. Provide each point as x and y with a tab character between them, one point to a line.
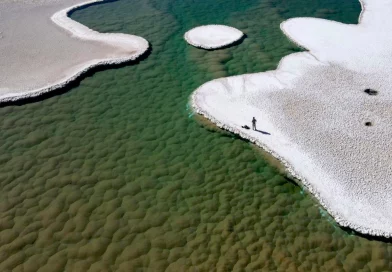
212	36
51	69
315	108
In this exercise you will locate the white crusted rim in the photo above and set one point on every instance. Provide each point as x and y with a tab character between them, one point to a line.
226	124
213	36
290	169
124	41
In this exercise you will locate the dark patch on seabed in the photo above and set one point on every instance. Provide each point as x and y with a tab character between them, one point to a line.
114	176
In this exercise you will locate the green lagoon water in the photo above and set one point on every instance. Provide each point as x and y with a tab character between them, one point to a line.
117	174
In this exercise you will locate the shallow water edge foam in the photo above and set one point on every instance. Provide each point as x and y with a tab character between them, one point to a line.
354	196
135	45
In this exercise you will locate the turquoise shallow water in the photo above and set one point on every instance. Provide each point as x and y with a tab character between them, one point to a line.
117	174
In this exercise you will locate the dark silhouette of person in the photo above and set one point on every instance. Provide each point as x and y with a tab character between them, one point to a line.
254	123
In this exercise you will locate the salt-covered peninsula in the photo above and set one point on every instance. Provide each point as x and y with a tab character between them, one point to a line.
42	49
327	113
213	36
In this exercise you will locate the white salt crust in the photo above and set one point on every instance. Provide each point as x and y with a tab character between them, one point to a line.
125	48
212	36
314	108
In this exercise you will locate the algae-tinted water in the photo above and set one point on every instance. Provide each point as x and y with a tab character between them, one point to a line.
117	174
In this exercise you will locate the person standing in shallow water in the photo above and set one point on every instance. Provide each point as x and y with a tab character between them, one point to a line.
254	123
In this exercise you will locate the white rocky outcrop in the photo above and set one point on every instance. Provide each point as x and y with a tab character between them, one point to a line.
314	115
38	54
213	36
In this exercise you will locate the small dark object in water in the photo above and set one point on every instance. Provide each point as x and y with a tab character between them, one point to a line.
371	92
368	124
245	127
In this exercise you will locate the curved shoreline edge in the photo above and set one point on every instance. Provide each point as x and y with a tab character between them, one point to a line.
199	45
82	32
290	169
226	126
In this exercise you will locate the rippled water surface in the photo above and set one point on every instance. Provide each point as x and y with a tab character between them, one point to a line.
118	175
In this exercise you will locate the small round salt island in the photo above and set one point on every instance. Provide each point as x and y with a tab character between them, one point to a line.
212	36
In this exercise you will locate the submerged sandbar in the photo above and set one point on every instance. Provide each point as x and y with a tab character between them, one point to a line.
46	49
317	114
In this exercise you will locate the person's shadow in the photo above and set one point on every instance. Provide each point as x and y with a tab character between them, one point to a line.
263	132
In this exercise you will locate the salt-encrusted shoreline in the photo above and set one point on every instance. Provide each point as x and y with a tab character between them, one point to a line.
314	107
290	169
213	36
126	48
